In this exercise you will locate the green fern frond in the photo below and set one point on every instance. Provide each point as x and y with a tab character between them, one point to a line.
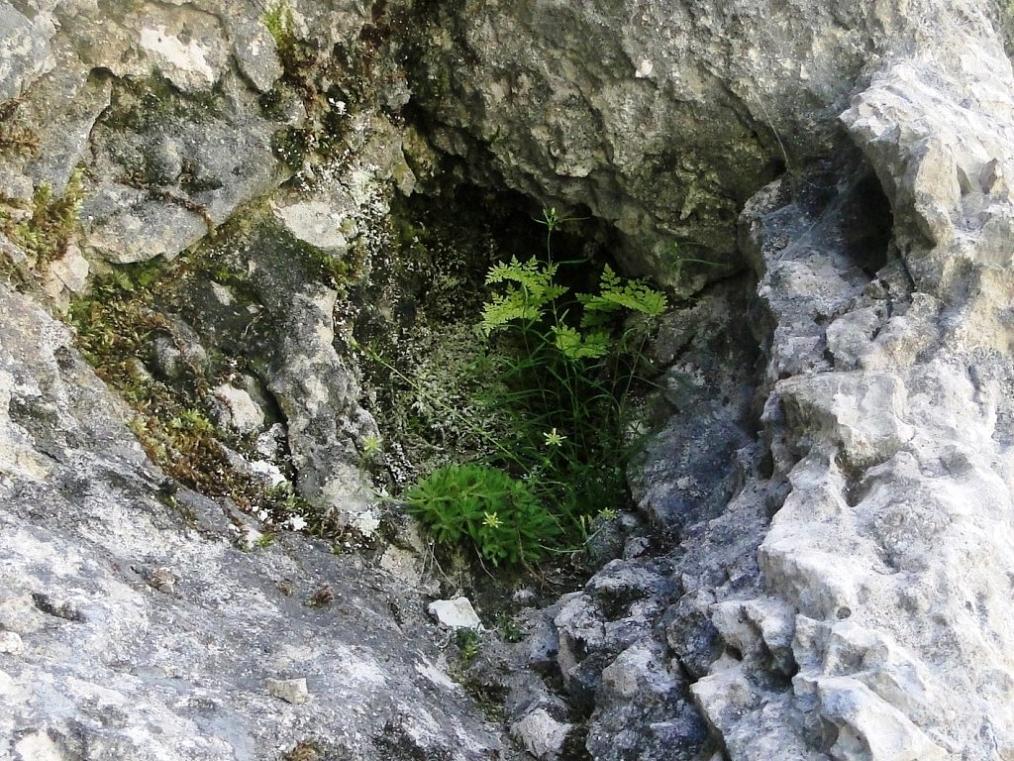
504	308
529	287
616	294
574	345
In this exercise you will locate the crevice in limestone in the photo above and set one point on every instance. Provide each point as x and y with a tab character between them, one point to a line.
829	429
421	305
846	227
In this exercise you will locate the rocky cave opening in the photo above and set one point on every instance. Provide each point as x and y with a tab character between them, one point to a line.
413	300
269	230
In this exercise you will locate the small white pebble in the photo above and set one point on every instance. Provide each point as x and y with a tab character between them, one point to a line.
10	643
292	691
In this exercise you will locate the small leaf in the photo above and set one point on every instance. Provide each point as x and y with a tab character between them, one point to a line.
576	346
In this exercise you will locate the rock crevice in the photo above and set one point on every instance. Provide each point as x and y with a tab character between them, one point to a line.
829	493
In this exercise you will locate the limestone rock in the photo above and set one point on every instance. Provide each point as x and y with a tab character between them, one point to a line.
68	274
542	735
256	54
869	727
183	670
62	108
316	223
821	609
11	643
662	117
243	413
290	690
186	47
826	571
205	158
24	50
455	614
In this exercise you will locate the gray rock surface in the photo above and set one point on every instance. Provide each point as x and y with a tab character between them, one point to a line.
455	614
283	324
542	735
824	566
844	602
863	548
24	50
661	117
102	658
182	171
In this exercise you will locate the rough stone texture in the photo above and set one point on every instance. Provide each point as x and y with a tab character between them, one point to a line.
455	614
683	473
292	691
847	601
139	620
542	735
177	174
242	412
662	117
134	628
895	447
289	336
827	571
24	50
160	100
177	111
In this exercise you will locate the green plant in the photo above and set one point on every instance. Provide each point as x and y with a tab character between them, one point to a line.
549	416
279	21
193	421
499	514
508	628
568	364
265	540
48	229
296	55
372	448
469	644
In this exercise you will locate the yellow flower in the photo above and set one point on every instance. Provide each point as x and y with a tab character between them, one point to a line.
554	439
491	520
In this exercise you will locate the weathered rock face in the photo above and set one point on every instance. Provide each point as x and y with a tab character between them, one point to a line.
830	491
174	118
139	619
660	117
845	603
134	627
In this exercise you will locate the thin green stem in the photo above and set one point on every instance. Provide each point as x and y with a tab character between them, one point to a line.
418	389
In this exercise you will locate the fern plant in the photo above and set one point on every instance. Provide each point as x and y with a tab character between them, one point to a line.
569	362
528	288
567	365
616	295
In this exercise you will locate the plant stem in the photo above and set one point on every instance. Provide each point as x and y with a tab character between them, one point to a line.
469	424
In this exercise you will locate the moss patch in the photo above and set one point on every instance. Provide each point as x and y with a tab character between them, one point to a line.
146	105
116	325
45	227
15	136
